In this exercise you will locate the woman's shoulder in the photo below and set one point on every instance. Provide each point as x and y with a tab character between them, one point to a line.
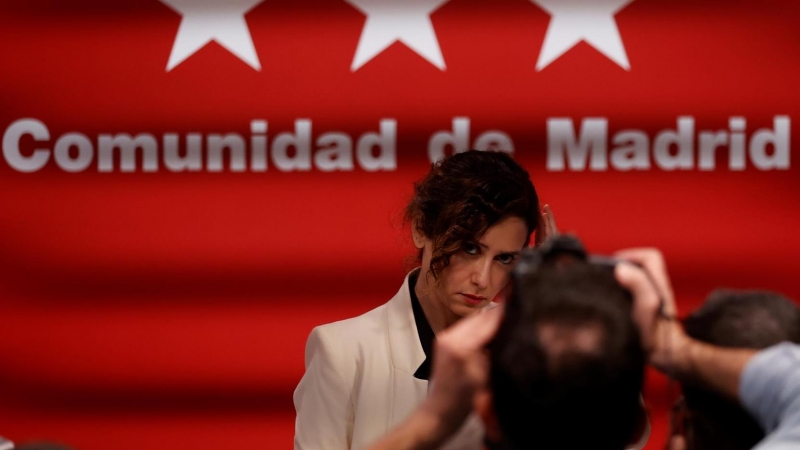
345	344
358	328
362	336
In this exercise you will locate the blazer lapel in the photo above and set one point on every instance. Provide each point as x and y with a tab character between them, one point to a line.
406	354
406	350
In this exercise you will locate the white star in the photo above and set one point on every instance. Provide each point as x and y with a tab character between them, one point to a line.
213	20
389	21
573	21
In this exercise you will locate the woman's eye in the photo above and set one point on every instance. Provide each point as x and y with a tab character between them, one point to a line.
505	259
470	249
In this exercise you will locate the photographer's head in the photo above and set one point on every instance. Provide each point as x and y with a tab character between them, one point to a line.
733	319
566	364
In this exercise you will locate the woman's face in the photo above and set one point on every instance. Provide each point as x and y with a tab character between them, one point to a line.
478	272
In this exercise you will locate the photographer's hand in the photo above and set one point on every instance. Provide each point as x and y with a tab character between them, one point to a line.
654	309
668	347
460	372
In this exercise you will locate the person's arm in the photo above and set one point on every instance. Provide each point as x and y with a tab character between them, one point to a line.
322	399
423	430
767	383
460	372
668	347
694	362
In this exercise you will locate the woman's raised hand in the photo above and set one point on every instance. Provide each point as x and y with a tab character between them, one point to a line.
547	226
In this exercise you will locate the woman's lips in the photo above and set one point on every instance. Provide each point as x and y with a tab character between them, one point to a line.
473	299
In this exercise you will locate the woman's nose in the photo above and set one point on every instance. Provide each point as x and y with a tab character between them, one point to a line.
481	274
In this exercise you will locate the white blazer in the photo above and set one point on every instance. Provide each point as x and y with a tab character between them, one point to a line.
359	381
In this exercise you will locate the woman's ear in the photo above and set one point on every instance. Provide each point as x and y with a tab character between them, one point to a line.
417	236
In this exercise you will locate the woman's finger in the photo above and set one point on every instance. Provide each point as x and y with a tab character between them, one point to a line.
552	228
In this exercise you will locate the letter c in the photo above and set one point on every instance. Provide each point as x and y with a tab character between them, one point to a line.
11	145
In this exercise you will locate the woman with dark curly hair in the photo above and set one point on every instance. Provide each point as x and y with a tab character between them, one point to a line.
470	217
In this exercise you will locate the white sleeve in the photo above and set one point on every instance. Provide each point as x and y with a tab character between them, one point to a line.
323	399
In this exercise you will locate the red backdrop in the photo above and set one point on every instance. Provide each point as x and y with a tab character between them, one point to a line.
169	309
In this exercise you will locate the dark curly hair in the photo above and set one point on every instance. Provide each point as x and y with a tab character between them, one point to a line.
466	193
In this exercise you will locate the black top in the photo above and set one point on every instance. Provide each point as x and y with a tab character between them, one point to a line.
424	330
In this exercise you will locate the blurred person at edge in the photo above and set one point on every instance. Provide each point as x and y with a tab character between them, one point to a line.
705	420
470	217
766	383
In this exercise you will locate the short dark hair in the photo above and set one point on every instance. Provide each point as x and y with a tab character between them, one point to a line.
466	193
735	319
574	397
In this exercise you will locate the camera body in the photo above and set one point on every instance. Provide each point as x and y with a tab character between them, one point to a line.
561	249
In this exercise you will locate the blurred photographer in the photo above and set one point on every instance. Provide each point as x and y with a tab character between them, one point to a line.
565	367
736	319
765	383
567	356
